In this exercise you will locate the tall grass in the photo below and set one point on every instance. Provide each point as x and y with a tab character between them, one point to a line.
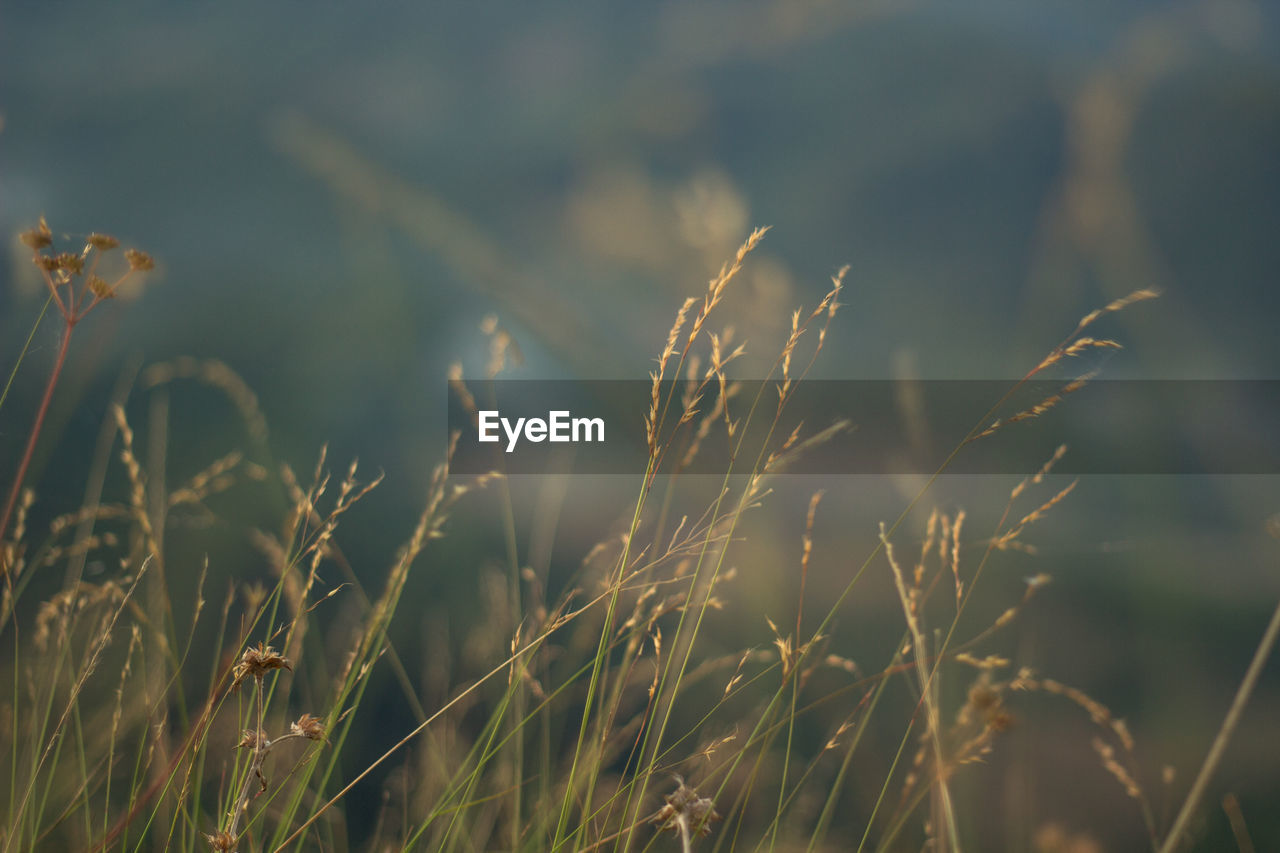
604	716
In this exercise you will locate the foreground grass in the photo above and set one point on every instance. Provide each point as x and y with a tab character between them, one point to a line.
141	720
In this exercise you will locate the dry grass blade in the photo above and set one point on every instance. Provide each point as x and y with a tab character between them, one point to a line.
555	724
456	700
928	698
53	740
1175	838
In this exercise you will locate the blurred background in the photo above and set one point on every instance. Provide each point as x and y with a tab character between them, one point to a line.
337	195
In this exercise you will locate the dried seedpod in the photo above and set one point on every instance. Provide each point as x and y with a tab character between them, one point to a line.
686	814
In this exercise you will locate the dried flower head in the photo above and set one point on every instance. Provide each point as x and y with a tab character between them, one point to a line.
100	288
39	237
258	662
61	270
686	812
309	727
253	740
221	841
70	262
138	260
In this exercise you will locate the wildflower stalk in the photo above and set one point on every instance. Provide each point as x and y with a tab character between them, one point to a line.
255	766
76	289
255	663
16	489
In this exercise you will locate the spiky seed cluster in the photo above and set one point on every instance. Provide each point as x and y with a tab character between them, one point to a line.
39	237
99	288
72	263
258	662
139	260
253	740
221	841
686	812
308	727
72	277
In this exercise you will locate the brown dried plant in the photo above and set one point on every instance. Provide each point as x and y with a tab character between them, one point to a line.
76	286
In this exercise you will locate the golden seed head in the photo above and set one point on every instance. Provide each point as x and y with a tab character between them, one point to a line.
36	239
100	288
139	260
1001	721
70	262
103	242
253	594
46	263
982	697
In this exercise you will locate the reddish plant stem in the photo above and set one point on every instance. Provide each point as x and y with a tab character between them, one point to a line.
27	455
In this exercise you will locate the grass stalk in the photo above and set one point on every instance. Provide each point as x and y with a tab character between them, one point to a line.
1174	839
6	515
